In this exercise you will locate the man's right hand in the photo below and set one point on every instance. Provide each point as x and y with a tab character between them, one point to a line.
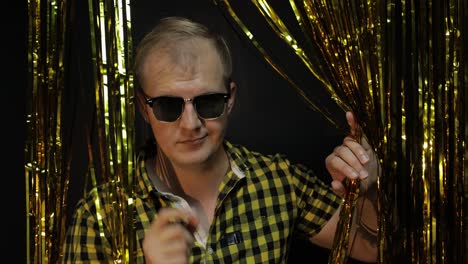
168	240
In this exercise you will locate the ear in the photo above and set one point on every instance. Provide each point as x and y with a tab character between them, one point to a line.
232	98
141	103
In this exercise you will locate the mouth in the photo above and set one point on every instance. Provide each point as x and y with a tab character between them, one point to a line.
193	141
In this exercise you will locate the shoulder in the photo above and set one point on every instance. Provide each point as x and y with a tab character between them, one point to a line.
114	193
254	159
238	151
100	199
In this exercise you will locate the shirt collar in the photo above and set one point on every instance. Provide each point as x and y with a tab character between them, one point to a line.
239	166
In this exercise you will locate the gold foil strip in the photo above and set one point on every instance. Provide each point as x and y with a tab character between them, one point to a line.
226	6
46	180
422	104
110	22
341	90
399	66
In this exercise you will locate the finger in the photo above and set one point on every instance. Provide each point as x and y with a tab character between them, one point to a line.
365	143
338	188
175	252
171	215
351	166
192	223
357	149
170	241
352	123
339	168
177	232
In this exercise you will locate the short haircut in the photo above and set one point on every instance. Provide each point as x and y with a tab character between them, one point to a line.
170	34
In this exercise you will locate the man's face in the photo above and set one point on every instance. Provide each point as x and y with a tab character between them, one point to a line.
190	140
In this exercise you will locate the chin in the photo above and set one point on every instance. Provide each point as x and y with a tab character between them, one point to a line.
196	157
191	156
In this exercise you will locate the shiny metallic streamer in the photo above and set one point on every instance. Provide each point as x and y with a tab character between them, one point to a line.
111	46
225	5
427	70
346	77
46	179
47	172
400	66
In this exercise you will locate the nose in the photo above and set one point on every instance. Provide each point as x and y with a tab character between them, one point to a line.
189	118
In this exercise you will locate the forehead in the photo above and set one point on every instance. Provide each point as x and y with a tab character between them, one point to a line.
193	61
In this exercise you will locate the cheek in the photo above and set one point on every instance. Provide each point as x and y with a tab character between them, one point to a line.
162	134
217	128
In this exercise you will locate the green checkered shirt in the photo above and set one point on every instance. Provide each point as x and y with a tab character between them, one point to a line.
263	201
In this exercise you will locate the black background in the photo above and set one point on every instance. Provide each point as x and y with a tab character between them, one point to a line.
14	83
268	117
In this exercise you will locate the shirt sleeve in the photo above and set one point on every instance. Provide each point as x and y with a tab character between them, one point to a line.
85	240
316	202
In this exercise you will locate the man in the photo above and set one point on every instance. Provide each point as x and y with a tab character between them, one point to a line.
201	198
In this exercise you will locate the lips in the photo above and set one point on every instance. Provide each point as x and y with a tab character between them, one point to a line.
193	140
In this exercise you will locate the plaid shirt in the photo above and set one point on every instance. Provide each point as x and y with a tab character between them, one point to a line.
263	200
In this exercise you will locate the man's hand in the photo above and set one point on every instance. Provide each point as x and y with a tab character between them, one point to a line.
352	160
169	240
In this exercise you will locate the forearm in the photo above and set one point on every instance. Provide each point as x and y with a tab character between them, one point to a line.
362	241
364	229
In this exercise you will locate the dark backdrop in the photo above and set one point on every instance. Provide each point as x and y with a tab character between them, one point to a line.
14	83
268	117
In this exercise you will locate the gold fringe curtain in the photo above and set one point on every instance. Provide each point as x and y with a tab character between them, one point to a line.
400	67
46	178
111	47
47	167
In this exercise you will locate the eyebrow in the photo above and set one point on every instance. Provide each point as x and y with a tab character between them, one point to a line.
227	82
207	93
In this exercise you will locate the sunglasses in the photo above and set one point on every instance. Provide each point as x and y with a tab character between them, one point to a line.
170	108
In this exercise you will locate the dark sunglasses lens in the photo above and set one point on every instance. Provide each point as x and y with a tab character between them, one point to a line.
167	109
210	105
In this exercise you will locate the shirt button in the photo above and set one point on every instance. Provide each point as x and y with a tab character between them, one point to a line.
210	251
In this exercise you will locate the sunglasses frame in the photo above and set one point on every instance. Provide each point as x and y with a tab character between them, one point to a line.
150	101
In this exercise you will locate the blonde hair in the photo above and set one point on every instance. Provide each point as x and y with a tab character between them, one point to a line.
171	34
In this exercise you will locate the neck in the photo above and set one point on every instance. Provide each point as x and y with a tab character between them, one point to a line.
199	182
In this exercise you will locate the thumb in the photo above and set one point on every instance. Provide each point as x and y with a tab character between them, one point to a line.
350	118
